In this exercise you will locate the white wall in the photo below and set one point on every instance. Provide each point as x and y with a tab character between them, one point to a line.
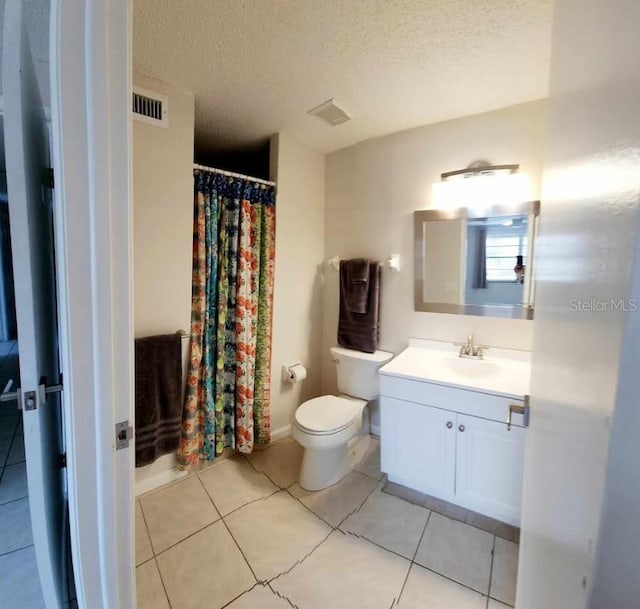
162	233
297	313
588	225
163	215
372	191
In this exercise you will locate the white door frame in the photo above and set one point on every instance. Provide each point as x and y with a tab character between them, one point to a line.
90	58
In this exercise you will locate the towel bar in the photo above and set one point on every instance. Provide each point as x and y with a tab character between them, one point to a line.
392	262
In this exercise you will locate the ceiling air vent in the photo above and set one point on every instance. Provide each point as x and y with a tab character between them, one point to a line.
150	107
331	112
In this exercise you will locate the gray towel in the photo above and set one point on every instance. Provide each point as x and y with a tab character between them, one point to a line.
357	286
360	331
158	368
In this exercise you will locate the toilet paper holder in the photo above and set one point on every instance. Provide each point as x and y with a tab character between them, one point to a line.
288	372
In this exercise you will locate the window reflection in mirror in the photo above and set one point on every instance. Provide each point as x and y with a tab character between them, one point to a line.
496	260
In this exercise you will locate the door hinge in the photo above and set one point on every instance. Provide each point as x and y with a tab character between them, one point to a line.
63	461
52	181
124	433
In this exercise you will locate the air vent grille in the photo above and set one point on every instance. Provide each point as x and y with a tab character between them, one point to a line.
331	112
147	106
150	107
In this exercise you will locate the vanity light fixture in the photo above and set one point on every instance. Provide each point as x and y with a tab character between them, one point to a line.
481	186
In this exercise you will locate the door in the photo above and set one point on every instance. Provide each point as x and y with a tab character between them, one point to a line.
418	446
30	210
489	468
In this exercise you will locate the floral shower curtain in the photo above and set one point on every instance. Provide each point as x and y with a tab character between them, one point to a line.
227	397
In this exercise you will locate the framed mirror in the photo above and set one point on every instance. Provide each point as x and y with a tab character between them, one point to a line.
476	263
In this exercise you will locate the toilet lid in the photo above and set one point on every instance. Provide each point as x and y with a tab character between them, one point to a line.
327	413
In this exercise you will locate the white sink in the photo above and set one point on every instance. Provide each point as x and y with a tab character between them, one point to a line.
474	368
503	372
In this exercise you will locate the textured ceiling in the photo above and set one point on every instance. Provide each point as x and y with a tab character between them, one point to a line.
257	66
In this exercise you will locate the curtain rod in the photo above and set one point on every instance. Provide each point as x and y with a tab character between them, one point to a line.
233	174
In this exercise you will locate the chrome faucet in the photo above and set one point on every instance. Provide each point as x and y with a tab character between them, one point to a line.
470	349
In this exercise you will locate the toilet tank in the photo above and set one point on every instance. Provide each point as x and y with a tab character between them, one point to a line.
358	371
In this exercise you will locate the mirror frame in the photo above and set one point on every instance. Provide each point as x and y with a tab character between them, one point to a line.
462	213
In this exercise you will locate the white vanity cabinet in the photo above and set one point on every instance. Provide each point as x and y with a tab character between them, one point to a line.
453	444
489	467
418	446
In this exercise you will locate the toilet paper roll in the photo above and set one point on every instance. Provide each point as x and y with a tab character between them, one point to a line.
297	373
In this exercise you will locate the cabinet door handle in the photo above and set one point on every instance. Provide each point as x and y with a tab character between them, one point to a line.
461	427
518	410
449	424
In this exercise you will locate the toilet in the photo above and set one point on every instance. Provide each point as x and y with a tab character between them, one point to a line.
325	425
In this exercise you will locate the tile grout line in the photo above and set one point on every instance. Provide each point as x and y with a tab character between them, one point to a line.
189	473
234	510
442	513
337	527
17	550
267	476
206	526
306	507
226	526
301	560
146	527
154	557
373	543
6	459
189	536
173	545
493	556
235	598
164	587
455	581
279	488
360	506
286	490
413	560
282	596
14	500
144	562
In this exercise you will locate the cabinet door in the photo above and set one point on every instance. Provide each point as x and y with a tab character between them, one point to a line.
489	468
418	445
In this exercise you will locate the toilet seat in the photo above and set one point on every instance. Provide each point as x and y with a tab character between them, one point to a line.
328	414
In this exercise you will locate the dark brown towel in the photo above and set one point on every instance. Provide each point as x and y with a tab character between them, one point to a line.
158	367
357	286
360	331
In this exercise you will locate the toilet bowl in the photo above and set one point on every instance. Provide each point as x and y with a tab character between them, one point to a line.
325	425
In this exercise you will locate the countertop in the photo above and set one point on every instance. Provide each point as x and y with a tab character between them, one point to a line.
503	372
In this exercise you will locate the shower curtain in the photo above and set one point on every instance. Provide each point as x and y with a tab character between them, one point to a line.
227	397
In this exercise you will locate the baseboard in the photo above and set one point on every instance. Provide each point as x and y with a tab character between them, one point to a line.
282	432
164	470
160	472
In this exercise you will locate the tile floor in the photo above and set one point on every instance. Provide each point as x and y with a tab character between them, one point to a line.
242	533
19	584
